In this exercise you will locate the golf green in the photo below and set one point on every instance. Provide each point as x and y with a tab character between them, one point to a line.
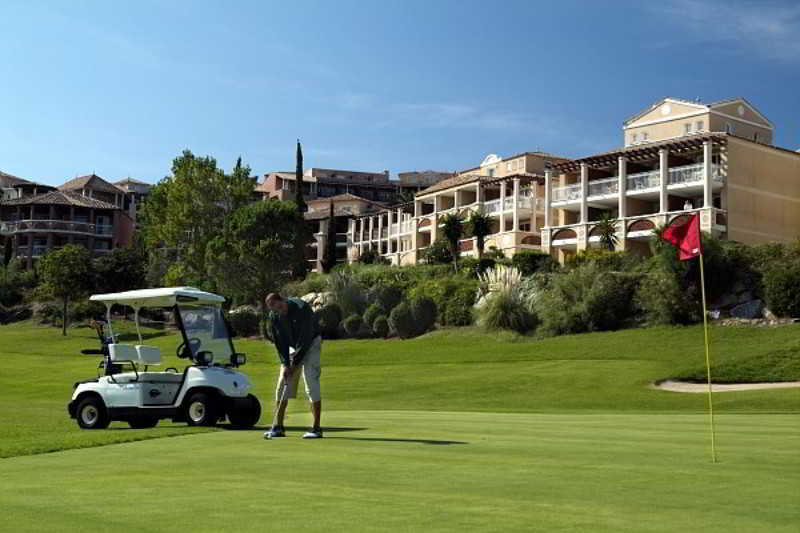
424	471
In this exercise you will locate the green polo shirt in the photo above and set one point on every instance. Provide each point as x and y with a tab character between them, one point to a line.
297	330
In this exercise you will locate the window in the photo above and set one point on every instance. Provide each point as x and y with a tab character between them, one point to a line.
491	172
755	136
508	165
728	127
687	128
644	136
699	125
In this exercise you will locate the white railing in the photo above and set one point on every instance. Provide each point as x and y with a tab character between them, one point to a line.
395	228
405	227
643	180
508	204
384	233
492	206
604	186
567	193
56	225
685	174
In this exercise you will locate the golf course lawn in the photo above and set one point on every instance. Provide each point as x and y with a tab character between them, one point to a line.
455	430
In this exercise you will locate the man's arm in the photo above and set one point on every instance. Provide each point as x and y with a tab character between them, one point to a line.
281	343
308	333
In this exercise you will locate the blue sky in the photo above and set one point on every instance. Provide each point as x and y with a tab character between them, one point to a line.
120	88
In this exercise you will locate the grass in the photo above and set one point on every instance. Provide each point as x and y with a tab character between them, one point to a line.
782	364
454	430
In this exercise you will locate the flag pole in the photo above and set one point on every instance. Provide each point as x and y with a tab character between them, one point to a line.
708	358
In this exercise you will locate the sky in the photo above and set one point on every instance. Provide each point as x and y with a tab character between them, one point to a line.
121	88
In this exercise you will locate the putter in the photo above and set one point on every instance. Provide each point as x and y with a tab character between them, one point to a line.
268	435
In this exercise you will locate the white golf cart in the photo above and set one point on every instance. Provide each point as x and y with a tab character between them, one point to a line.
207	390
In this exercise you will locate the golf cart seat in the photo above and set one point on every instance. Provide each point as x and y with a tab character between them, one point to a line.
148	355
139	354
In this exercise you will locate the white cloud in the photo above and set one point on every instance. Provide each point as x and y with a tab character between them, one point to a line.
769	29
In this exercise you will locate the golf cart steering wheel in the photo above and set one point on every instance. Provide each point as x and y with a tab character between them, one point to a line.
194	343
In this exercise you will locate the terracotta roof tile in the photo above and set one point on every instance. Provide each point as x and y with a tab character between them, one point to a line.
61	198
92	181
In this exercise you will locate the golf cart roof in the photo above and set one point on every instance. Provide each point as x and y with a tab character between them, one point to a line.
164	297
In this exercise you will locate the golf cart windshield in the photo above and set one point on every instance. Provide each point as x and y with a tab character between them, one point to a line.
206	330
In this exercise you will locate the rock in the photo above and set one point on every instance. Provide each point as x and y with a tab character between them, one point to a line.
769	315
751	309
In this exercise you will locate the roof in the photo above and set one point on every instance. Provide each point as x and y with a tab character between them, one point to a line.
92	181
14	180
61	198
164	297
131	180
699	105
342	198
536	153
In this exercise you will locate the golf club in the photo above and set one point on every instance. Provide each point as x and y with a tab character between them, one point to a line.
268	435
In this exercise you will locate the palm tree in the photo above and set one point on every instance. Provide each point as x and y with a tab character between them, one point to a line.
453	229
480	226
606	226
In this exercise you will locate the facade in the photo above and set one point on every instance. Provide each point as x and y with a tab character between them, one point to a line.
744	189
509	190
12	187
136	193
39	221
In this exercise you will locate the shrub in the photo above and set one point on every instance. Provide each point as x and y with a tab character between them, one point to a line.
782	289
446	292
372	257
438	253
587	299
530	262
423	310
386	296
381	327
472	267
244	321
329	318
373	311
312	283
505	309
457	315
84	310
47	313
352	325
664	301
401	321
347	292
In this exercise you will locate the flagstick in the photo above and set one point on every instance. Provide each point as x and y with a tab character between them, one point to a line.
708	359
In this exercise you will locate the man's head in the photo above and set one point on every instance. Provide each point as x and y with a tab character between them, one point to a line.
276	303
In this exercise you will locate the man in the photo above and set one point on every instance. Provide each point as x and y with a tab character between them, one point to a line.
294	325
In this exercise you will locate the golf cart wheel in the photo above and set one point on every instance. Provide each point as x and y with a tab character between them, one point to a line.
201	410
143	422
92	414
244	414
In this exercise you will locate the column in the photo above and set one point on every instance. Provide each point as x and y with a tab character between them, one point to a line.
707	190
371	231
663	174
548	187
399	231
380	233
502	206
351	234
479	194
584	193
622	171
515	207
456	203
361	236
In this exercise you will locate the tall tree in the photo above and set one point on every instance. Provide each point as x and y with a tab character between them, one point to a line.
298	179
66	274
186	210
453	229
248	262
329	254
606	227
480	226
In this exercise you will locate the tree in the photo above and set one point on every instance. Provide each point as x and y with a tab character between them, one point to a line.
123	269
249	261
606	227
329	254
186	210
453	229
479	226
298	179
67	275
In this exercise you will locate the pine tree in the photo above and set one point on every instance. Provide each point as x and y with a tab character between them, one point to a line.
298	179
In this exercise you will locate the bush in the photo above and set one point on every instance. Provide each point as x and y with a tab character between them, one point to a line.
312	283
347	292
47	313
446	292
506	310
587	299
85	310
352	325
372	257
664	301
386	296
530	262
438	253
782	289
244	321
472	267
401	321
329	318
373	311
381	327
457	315
423	310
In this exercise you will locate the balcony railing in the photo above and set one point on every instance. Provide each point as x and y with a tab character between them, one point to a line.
643	180
567	193
603	187
692	174
56	225
492	206
384	233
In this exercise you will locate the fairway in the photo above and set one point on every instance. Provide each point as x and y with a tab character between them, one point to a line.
454	431
420	471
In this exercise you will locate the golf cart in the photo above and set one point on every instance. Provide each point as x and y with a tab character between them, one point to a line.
209	388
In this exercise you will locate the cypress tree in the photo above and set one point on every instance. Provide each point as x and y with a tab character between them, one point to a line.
298	179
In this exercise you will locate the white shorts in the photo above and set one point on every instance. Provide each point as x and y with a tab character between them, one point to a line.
312	370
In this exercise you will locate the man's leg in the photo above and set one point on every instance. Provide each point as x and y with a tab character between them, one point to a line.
316	412
312	370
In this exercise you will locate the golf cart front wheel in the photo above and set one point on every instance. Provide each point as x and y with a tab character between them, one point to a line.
201	410
244	413
92	414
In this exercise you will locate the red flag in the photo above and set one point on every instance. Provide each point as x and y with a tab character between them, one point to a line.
686	237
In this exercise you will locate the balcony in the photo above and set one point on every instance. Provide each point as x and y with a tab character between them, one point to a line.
603	187
492	206
567	193
60	226
642	181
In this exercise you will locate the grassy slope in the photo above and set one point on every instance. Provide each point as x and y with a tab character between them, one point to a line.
427	471
450	370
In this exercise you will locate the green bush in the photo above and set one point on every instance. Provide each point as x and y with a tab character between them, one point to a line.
85	310
449	291
782	289
380	327
347	292
352	325
587	298
401	321
506	310
314	282
47	313
529	262
471	267
438	253
329	317
386	295
423	310
664	301
373	311
372	257
457	315
244	321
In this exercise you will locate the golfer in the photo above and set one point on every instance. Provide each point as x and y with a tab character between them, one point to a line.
294	325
